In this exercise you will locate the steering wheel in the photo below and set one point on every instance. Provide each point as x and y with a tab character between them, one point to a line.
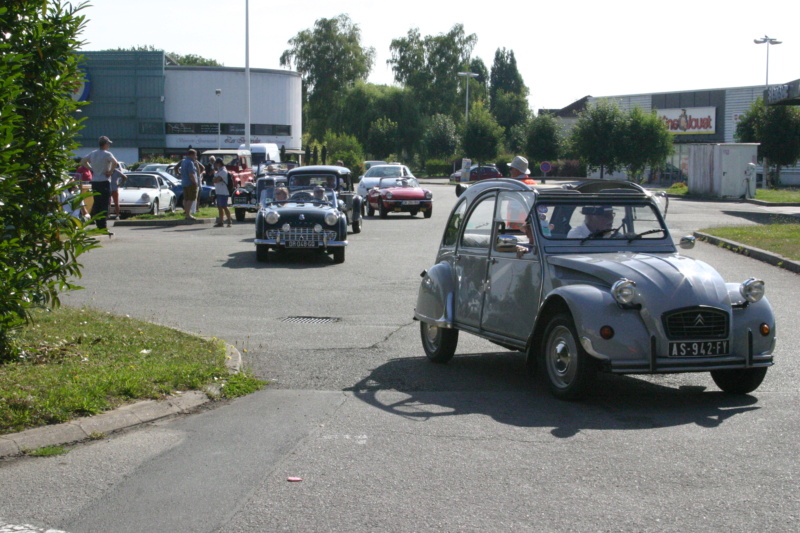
302	196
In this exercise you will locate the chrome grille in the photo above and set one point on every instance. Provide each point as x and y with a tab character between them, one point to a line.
696	324
300	234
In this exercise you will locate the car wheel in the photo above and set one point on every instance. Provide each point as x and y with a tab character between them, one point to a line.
172	205
154	208
428	212
569	369
384	213
262	252
439	343
739	380
240	214
357	226
338	255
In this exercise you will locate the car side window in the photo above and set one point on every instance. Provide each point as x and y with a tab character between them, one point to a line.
512	217
453	225
478	226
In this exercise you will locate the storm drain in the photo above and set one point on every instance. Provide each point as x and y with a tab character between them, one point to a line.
310	319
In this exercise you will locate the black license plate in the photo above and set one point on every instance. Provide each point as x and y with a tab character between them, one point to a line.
698	348
240	200
301	244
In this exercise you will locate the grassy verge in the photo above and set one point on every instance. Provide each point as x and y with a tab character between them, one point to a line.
782	239
79	362
203	212
787	195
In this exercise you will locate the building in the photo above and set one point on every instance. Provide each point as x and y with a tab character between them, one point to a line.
150	106
707	116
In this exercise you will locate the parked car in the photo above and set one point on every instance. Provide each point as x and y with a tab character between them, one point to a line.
151	167
302	222
246	199
372	176
238	163
477	173
145	192
208	194
398	195
337	178
587	280
369	164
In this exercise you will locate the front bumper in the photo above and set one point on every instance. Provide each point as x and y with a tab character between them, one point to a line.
309	239
135	209
403	206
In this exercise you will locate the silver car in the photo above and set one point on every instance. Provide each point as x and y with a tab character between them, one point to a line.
588	279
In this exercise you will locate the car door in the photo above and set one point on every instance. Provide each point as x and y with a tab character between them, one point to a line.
470	261
514	276
163	193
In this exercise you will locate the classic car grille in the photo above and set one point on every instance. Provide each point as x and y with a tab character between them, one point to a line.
301	234
696	324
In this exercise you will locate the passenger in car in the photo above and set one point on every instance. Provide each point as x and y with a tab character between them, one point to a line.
597	218
281	194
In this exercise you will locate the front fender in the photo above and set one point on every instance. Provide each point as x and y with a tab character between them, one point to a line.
747	321
435	297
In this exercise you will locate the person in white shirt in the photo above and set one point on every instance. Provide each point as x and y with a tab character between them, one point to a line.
597	218
221	178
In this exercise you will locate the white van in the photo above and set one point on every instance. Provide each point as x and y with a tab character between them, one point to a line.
263	153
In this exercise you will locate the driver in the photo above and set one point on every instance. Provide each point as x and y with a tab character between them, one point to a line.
597	218
319	194
281	194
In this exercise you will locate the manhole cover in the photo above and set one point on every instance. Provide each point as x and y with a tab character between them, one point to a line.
310	319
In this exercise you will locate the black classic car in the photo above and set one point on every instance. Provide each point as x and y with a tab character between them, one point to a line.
310	218
338	179
245	199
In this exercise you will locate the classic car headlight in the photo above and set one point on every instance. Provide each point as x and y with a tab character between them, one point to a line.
272	217
428	195
624	291
388	196
253	201
317	228
145	197
752	290
331	218
286	227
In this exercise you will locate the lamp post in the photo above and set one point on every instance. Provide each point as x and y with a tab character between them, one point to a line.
768	41
219	128
467	76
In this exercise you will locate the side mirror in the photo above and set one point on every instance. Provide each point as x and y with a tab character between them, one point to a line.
460	189
687	242
505	244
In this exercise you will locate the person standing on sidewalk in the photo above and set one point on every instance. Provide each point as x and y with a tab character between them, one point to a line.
102	163
221	179
189	182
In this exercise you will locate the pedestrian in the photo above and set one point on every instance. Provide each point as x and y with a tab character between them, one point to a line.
221	181
519	167
102	163
210	171
200	173
117	178
189	182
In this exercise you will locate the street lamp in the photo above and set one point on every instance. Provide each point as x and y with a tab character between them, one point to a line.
768	41
467	76
219	129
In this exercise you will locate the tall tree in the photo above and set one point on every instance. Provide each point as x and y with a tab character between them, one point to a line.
510	109
429	66
40	242
330	58
597	136
777	128
505	75
544	139
382	138
182	59
482	136
646	142
440	138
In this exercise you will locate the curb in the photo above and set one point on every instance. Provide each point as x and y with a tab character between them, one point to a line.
129	415
756	253
156	222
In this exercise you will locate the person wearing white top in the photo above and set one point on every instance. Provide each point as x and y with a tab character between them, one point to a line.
221	178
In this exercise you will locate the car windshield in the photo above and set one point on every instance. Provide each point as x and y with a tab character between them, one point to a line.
585	220
388	183
140	182
384	172
299	194
311	180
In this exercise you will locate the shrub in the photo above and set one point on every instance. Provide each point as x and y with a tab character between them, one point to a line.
438	167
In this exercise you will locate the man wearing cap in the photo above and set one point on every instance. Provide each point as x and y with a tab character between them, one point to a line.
519	168
597	219
102	163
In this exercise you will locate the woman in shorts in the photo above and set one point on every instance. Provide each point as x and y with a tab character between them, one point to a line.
221	178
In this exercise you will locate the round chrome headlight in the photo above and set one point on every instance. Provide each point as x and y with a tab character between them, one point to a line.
624	291
272	217
331	218
388	196
286	227
752	290
317	228
428	195
253	201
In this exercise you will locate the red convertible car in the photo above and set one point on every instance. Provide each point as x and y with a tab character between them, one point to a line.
398	195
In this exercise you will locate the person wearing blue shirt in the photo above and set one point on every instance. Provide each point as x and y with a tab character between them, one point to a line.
189	181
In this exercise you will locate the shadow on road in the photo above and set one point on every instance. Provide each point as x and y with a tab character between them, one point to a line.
496	385
293	259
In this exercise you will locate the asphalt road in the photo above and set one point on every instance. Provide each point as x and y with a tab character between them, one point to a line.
385	441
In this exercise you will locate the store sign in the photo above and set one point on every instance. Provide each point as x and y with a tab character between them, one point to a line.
202	141
81	92
690	120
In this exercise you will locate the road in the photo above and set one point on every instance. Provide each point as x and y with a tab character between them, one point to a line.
385	441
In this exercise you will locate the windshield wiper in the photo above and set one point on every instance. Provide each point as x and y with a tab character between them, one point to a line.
598	233
648	232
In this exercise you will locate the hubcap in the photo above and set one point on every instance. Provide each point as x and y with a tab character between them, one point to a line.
561	354
432	333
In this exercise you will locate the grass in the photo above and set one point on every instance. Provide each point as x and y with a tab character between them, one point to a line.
784	195
780	238
79	362
203	212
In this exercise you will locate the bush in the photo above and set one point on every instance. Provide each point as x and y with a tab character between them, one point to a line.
438	167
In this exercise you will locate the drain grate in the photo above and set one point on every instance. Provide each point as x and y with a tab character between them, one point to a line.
310	319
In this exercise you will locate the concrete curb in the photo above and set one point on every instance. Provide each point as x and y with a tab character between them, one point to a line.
127	416
755	253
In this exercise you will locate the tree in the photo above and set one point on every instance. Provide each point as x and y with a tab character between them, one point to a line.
597	135
40	242
193	60
482	136
543	142
440	139
429	66
505	75
777	128
345	148
646	141
510	109
330	58
382	138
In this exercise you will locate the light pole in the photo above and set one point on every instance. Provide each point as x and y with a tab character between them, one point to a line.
467	76
219	128
768	41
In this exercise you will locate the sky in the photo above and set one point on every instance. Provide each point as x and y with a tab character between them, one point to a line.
565	49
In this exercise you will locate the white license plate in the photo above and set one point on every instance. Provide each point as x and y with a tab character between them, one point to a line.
301	244
698	348
240	200
410	202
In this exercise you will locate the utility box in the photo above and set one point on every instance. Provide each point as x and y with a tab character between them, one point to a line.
723	170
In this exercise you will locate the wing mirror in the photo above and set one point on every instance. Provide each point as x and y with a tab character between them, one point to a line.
687	242
505	244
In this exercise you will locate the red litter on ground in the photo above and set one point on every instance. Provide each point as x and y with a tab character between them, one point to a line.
294	479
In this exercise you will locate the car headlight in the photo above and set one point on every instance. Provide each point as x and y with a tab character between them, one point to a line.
272	217
428	195
388	196
752	290
624	291
331	218
145	197
253	201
